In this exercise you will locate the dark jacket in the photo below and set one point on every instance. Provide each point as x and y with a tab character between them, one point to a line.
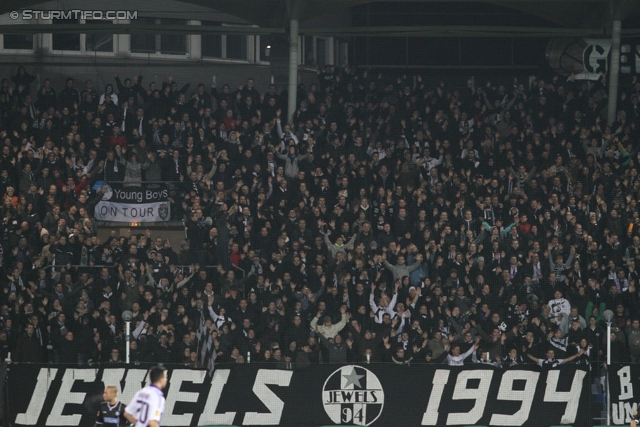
69	351
28	350
337	353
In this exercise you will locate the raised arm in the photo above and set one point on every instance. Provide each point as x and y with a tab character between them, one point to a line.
279	127
468	352
137	331
320	291
327	241
506	231
415	266
480	237
509	104
392	303
349	245
212	172
570	259
531	173
314	323
372	302
342	323
603	149
575	356
118	83
213	314
183	281
150	277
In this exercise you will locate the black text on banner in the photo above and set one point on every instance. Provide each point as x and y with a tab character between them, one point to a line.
133	205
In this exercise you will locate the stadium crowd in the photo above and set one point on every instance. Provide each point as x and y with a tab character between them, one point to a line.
394	220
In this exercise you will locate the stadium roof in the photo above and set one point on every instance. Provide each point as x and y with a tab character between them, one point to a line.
570	14
567	13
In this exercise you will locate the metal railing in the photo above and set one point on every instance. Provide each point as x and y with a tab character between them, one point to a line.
143	182
182	267
235	267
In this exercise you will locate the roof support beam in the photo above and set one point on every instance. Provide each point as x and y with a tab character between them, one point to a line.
134	29
294	7
390	31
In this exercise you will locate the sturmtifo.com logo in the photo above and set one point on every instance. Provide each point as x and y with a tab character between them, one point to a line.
353	395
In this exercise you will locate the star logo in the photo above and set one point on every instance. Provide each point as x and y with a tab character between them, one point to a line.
353	378
353	395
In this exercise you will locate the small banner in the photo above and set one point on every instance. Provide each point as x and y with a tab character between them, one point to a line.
624	388
133	205
363	394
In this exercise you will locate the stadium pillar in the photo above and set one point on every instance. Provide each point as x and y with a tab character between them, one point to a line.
123	41
194	42
614	71
608	317
293	61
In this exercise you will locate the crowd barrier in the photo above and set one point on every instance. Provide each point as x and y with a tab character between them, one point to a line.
357	394
96	267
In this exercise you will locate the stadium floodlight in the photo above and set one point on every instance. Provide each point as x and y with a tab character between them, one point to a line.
608	316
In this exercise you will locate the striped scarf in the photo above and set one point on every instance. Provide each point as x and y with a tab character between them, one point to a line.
560	344
205	344
207	353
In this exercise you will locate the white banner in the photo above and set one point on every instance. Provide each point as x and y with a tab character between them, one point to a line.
133	205
127	212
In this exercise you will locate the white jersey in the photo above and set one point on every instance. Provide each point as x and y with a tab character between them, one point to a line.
459	360
147	405
560	305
